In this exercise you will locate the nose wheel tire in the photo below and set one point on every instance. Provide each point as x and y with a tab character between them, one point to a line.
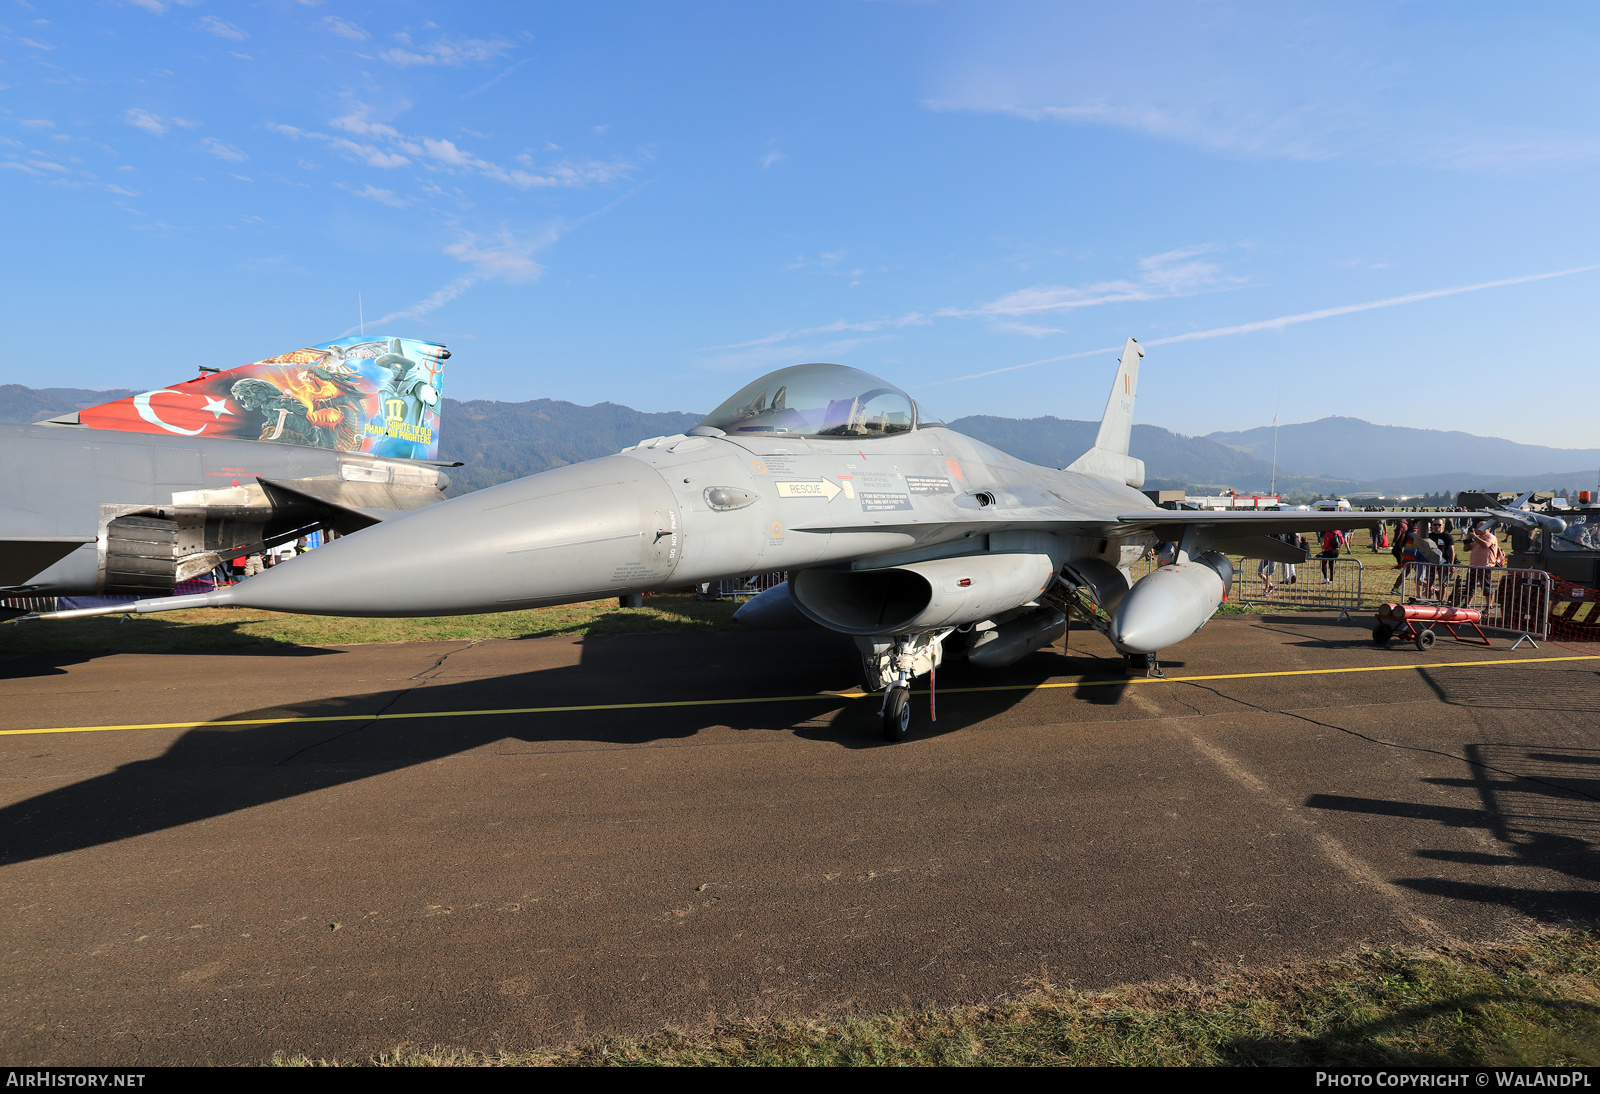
897	714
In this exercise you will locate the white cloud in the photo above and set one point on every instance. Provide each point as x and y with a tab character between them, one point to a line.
824	260
344	28
361	125
223	29
453	53
223	151
765	358
31	44
398	149
771	158
910	319
503	257
1173	273
432	302
1284	321
159	7
370	154
372	193
1290	81
829	264
154	124
38	123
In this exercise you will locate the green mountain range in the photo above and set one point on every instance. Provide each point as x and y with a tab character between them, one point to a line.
498	441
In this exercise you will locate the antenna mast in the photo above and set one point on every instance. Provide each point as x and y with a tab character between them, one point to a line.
1273	489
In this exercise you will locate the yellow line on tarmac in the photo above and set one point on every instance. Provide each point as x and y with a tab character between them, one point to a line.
812	697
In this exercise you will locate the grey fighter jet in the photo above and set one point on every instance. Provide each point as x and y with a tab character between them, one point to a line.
896	531
140	494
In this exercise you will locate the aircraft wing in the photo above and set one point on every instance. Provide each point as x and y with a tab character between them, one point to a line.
1227	524
1160	522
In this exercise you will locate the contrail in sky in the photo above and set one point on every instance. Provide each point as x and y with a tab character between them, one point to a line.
1282	321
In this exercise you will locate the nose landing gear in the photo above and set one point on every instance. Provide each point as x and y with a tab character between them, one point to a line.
896	713
893	663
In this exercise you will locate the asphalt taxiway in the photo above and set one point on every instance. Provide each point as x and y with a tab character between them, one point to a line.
209	857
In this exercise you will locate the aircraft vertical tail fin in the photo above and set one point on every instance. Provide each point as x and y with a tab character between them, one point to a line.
380	396
1109	458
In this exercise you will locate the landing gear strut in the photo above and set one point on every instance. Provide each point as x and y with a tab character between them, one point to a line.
893	663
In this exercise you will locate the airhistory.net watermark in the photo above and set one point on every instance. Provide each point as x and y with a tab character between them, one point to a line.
44	1077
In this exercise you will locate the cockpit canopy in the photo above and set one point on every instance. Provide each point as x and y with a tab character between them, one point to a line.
817	401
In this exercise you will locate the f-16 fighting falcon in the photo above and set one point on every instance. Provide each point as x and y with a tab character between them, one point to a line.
895	530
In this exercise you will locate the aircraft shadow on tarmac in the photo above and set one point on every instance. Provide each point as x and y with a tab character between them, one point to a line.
1395	1030
213	771
1543	806
16	667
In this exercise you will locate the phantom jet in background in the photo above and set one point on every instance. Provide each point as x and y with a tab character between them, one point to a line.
896	531
136	495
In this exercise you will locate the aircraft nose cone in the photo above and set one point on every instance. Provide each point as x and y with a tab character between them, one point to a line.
581	532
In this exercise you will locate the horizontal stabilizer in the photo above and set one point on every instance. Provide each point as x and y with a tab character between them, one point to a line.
23	557
313	495
380	396
1110	465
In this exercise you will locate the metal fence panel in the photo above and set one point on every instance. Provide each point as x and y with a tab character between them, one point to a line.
1334	583
29	603
735	587
1315	583
1516	601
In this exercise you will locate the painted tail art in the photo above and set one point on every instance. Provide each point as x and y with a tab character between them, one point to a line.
381	396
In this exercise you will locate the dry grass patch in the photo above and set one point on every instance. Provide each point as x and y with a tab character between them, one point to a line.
1534	1001
222	628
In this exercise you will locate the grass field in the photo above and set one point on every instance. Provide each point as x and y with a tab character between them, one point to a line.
1534	1001
220	628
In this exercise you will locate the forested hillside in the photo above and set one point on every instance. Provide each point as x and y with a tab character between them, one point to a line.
1351	448
1171	460
502	441
34	404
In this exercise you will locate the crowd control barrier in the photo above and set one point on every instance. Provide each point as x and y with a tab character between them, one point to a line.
1513	601
735	587
1334	583
29	603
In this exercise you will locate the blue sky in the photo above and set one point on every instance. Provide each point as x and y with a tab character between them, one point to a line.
1380	210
